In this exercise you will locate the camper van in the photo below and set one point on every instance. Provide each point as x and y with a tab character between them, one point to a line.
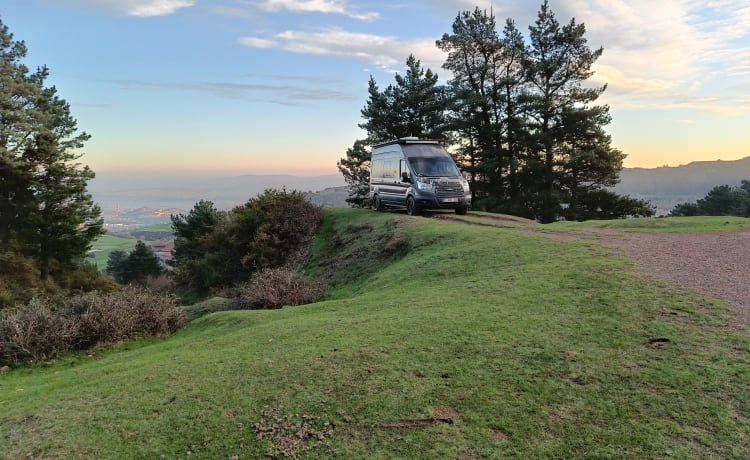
416	174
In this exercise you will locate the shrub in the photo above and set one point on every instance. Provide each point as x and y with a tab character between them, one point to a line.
218	250
160	283
35	333
19	279
133	312
277	287
46	328
85	278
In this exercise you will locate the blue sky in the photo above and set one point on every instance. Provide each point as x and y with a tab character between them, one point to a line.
268	86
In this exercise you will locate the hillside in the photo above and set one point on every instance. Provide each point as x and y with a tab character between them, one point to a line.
438	340
668	186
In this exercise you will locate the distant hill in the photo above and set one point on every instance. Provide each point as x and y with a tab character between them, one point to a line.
122	194
162	190
667	186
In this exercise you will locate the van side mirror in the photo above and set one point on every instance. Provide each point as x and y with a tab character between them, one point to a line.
404	176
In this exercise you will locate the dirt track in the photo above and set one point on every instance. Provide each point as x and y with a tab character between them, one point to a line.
713	264
716	264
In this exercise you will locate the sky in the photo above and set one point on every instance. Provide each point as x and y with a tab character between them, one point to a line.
277	86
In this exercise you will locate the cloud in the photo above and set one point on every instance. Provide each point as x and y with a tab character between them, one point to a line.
139	8
156	7
291	95
314	6
257	42
385	52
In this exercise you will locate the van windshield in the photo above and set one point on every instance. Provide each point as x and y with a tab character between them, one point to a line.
433	166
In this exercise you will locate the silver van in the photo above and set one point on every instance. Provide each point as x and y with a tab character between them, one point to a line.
416	174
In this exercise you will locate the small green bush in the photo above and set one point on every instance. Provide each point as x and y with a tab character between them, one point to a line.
273	288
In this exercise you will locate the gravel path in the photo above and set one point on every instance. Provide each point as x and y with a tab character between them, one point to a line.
715	265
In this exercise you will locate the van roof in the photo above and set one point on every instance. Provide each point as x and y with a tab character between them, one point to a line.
406	140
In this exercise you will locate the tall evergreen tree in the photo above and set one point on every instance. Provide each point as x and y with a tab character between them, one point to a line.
43	199
64	220
486	107
19	91
570	154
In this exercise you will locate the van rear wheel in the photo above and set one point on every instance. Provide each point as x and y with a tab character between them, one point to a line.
411	207
377	205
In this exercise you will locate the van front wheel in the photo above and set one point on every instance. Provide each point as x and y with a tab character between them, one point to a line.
377	205
411	207
461	210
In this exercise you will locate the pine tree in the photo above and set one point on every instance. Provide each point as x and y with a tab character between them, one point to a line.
44	205
570	153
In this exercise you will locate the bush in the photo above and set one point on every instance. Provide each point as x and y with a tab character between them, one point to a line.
46	328
216	250
35	333
277	287
85	278
133	312
19	279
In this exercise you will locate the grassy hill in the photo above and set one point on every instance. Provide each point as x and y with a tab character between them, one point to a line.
438	340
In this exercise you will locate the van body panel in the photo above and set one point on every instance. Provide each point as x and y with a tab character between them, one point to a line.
417	169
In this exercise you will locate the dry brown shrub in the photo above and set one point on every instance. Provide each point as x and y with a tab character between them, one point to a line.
277	287
34	333
161	283
46	328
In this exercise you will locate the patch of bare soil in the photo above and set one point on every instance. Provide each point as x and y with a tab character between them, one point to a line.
713	264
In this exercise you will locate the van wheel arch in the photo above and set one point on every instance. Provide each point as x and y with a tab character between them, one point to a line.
411	206
377	205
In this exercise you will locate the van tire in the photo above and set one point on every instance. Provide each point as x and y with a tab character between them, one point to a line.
377	205
461	210
411	207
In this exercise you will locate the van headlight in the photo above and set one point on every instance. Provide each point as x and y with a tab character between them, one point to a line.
465	185
425	186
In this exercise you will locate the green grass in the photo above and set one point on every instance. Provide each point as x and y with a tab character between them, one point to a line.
665	224
104	245
531	347
156	228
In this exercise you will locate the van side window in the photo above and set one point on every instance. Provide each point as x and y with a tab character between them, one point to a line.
390	169
377	168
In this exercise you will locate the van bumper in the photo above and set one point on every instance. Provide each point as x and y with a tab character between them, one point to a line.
424	201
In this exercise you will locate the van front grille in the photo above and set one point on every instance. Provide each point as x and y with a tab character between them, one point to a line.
450	189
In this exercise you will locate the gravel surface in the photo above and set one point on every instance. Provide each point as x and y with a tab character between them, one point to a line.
716	265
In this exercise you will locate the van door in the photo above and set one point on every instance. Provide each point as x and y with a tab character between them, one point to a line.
390	189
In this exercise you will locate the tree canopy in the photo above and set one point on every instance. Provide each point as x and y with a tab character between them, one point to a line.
46	212
520	118
722	200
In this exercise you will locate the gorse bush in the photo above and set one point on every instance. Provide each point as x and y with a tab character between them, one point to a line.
45	328
277	287
19	279
34	333
219	249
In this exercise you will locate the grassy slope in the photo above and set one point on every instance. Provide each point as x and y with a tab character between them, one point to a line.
531	346
105	244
